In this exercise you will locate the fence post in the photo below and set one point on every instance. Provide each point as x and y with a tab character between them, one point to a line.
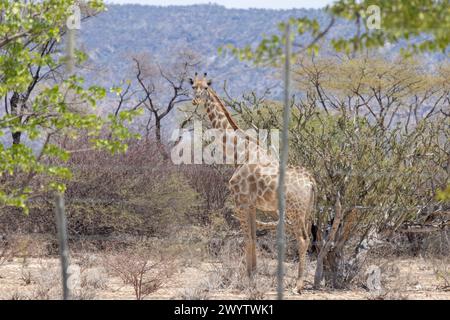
70	51
61	222
61	225
281	237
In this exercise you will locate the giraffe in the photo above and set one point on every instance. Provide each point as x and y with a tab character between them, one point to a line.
253	186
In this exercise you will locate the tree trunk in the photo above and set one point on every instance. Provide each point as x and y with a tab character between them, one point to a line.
334	274
327	247
341	269
15	110
158	130
16	137
159	143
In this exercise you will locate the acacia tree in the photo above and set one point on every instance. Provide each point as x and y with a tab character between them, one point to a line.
40	107
374	134
380	142
400	20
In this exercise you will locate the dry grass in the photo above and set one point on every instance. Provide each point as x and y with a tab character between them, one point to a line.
5	251
192	266
416	279
441	269
227	274
40	279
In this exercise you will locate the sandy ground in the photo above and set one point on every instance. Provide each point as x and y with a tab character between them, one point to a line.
34	278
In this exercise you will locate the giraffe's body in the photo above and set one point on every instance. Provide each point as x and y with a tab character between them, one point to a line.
254	186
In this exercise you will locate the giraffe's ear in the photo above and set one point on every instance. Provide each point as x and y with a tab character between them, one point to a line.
209	82
191	81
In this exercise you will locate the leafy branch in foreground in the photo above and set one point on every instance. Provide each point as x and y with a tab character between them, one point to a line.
400	20
270	49
41	107
426	21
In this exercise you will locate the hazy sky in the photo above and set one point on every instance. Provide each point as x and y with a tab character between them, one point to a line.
273	4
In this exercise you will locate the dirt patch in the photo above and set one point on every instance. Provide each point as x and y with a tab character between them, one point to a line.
34	278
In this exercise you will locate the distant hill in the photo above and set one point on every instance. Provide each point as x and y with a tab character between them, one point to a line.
113	36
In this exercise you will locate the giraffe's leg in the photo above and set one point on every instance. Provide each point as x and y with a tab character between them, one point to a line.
251	254
248	224
302	236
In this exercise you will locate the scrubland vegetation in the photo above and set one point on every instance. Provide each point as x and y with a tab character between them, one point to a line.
374	131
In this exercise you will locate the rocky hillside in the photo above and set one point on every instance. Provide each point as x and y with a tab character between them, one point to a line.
111	38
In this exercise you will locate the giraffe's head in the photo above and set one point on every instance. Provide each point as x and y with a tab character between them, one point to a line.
200	86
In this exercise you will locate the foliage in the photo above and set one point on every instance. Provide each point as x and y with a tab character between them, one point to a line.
423	24
443	194
380	141
400	20
135	193
41	108
270	49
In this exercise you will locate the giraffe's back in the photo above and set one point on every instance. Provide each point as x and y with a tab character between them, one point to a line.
257	185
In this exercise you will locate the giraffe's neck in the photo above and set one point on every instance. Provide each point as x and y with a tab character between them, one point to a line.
218	114
221	119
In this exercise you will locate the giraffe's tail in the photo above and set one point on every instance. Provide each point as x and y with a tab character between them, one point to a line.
313	201
314	220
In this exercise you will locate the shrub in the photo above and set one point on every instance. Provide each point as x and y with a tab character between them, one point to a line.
137	193
140	267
